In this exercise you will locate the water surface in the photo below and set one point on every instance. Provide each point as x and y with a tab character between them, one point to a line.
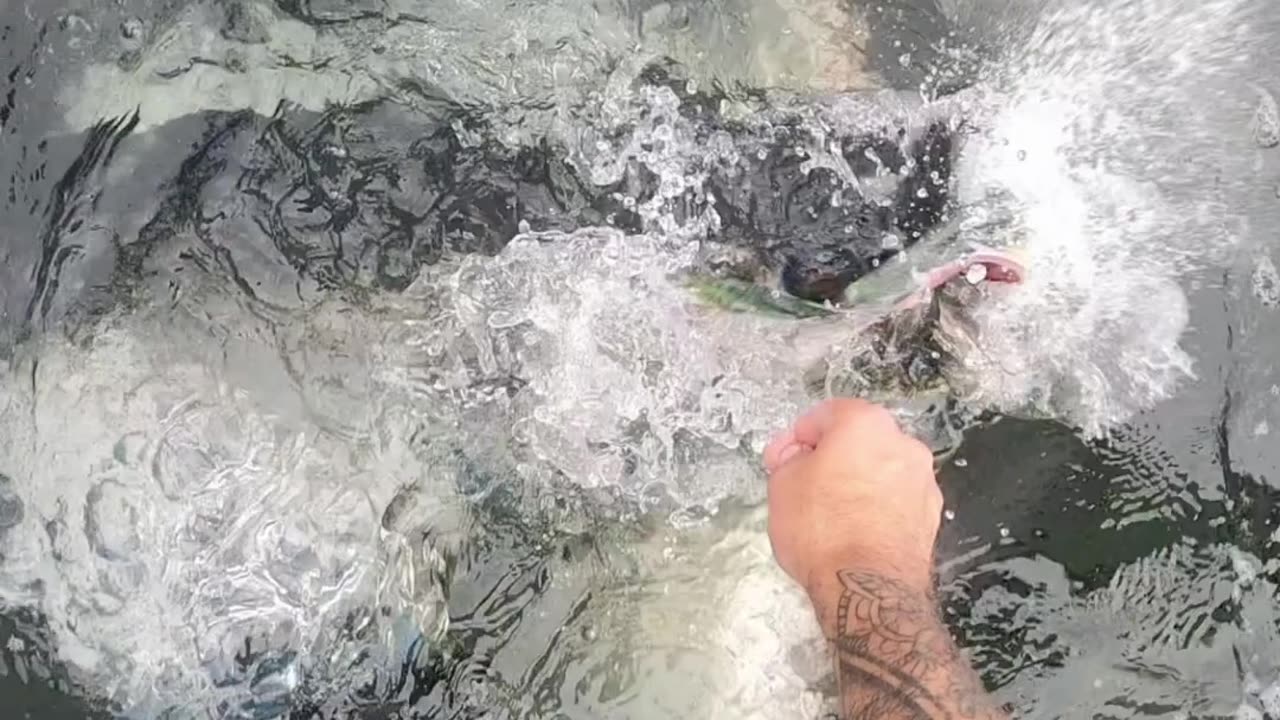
271	446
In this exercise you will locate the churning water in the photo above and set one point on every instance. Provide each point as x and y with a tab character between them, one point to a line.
272	445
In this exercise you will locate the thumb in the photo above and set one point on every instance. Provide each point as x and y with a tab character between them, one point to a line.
783	449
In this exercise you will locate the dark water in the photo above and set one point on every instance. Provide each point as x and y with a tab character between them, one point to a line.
1130	577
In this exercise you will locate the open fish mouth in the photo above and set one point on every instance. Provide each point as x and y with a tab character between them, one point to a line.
980	265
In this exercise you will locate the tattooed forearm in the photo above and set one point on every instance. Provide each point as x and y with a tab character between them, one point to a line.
894	658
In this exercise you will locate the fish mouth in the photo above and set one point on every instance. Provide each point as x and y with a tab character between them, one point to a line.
981	265
890	291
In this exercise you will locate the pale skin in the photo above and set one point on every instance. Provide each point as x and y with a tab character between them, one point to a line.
854	511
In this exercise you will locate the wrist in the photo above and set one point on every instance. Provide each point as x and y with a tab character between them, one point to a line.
913	586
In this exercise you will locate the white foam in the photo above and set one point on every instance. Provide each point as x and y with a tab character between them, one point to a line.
1109	146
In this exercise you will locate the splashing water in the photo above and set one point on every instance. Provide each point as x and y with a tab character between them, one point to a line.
206	543
234	481
1113	140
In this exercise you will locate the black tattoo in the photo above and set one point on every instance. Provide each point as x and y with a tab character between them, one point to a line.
895	660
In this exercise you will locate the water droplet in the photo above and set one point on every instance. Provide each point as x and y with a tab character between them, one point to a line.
922	193
1004	532
961	462
949	514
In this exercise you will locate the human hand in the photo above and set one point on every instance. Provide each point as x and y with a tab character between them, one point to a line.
848	490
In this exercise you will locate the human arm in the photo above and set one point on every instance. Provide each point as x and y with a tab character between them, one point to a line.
853	515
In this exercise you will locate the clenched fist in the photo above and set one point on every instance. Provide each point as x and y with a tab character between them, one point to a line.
848	490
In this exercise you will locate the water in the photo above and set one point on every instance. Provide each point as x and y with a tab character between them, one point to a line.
269	439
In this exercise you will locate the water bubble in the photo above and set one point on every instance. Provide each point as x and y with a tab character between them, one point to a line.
922	193
111	520
976	273
11	511
131	29
961	462
1266	282
1266	120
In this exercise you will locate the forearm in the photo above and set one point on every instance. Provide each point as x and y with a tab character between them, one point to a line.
894	657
